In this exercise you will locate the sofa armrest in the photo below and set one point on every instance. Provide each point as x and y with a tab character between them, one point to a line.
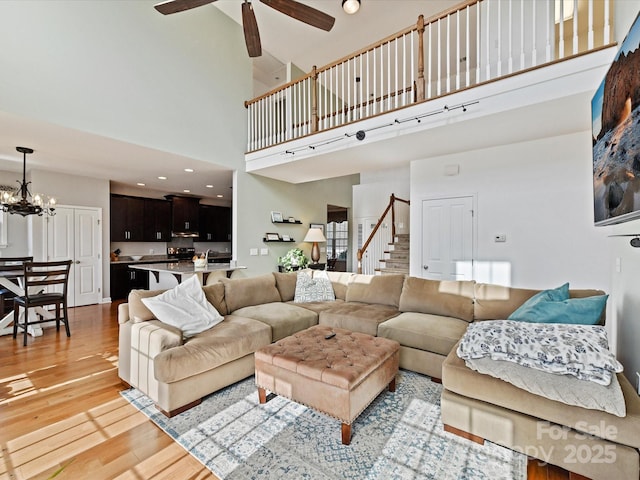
153	337
123	313
148	339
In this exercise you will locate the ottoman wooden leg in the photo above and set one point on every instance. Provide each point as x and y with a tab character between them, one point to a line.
346	434
392	385
262	395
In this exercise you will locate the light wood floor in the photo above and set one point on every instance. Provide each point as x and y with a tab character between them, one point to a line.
60	407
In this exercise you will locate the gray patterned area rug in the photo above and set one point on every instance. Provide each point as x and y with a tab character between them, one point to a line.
399	436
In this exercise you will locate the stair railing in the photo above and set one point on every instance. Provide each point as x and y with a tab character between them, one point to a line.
472	43
390	208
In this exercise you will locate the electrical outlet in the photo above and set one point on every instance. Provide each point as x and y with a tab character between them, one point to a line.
151	251
253	252
264	251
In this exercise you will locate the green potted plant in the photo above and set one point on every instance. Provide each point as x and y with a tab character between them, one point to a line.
294	259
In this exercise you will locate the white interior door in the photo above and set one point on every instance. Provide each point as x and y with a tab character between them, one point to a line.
75	233
447	238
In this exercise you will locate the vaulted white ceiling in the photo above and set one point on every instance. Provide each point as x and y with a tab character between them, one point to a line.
283	39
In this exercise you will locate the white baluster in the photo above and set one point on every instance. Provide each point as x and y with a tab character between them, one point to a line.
607	24
575	27
534	46
439	69
590	26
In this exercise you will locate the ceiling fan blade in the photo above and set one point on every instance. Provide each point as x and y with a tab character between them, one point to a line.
251	33
175	6
302	12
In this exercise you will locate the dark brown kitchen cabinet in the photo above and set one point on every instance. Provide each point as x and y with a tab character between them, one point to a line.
157	220
186	214
215	223
127	215
124	279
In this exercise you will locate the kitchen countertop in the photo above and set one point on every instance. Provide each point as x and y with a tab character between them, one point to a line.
146	259
179	269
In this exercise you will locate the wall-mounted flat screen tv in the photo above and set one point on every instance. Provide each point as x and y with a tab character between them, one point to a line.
615	115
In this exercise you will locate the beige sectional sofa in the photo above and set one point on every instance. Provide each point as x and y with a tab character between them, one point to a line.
426	317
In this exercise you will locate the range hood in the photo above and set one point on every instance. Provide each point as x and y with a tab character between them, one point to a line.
185	213
185	234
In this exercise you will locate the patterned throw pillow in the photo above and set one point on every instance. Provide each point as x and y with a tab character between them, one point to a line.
316	288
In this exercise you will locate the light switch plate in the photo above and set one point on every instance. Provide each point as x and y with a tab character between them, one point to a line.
253	252
264	251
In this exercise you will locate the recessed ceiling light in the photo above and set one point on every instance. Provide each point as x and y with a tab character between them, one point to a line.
187	191
162	178
209	186
140	184
219	196
188	170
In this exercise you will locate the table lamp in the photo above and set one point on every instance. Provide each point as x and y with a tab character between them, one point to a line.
314	235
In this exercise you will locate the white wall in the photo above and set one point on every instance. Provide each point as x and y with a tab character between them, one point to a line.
371	197
306	202
173	83
74	191
539	194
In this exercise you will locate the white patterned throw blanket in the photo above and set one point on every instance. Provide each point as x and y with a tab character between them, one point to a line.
578	350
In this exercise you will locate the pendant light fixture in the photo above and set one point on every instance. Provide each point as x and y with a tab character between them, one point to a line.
350	6
18	202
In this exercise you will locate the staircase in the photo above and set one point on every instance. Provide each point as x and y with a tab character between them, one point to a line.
397	257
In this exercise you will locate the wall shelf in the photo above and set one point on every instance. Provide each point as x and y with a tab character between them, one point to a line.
278	241
297	222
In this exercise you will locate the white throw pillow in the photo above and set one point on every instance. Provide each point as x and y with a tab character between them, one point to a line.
313	289
185	307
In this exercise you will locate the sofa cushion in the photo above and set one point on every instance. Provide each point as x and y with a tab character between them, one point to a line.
215	296
460	379
245	292
340	282
563	388
494	302
424	331
286	285
378	289
319	306
229	340
185	307
357	317
284	318
138	311
438	297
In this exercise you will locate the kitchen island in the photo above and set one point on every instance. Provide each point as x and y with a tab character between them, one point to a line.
180	270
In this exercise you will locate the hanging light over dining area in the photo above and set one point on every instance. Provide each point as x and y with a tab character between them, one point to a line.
20	201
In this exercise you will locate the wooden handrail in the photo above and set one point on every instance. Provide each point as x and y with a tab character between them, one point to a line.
390	206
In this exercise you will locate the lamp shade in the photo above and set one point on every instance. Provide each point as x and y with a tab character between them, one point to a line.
314	235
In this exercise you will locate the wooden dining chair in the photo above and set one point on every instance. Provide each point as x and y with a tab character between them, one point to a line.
11	268
38	276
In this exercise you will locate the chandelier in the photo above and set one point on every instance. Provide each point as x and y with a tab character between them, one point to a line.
18	200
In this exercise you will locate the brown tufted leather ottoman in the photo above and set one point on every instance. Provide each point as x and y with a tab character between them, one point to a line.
339	376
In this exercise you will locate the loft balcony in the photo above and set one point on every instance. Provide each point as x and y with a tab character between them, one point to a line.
454	69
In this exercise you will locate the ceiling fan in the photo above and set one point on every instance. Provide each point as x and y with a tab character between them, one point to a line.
294	9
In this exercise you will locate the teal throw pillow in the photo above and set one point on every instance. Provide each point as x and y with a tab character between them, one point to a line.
554	295
585	311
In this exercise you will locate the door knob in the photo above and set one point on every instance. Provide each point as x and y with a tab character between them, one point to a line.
425	267
77	261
